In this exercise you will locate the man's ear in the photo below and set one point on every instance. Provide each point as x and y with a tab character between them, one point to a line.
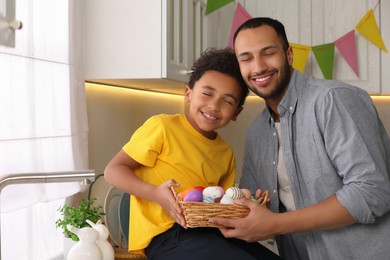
290	55
237	113
187	94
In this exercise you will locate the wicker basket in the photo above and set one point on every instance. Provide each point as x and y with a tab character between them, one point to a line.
197	214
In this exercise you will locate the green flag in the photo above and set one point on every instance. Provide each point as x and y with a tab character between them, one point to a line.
213	5
325	56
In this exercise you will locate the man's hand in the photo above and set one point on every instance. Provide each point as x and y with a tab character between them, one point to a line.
258	225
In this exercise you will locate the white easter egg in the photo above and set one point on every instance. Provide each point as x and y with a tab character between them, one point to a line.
226	200
213	192
234	193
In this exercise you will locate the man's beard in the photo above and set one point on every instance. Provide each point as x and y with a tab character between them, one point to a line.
280	87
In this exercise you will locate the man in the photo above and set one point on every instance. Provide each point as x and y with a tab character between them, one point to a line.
321	150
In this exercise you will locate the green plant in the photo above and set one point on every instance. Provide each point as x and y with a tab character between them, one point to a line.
77	216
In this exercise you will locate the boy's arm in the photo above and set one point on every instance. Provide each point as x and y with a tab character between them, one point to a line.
120	173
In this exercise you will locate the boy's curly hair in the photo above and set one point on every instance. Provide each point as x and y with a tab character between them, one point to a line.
223	61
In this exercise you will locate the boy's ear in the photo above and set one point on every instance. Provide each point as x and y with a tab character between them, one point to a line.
187	93
237	113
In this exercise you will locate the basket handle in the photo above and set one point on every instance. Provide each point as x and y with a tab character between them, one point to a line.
264	199
174	193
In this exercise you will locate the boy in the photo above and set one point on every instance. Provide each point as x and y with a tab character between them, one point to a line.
184	151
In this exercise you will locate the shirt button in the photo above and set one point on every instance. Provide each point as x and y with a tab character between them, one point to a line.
273	162
274	134
275	191
291	108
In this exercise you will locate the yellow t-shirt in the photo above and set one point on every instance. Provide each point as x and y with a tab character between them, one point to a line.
168	147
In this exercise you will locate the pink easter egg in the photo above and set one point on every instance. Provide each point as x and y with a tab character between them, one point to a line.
194	195
247	193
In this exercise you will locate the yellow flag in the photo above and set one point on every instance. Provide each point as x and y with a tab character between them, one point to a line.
369	29
300	55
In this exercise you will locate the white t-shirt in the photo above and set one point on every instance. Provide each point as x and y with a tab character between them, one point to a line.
285	194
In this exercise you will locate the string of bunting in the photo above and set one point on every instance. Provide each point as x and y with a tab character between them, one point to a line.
324	53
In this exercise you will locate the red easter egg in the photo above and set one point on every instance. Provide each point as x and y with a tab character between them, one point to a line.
201	188
194	195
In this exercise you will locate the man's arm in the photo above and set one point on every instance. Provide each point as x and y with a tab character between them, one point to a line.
262	224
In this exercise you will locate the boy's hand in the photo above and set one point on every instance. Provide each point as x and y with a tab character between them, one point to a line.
168	201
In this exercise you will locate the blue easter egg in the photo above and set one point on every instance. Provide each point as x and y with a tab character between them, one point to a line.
208	200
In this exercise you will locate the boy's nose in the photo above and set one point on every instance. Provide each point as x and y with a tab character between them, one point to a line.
214	105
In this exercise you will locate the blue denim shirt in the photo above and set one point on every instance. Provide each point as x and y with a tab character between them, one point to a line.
333	143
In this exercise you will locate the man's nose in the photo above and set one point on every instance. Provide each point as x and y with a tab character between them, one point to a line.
260	65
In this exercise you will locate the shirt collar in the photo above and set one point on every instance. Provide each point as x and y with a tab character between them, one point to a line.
290	99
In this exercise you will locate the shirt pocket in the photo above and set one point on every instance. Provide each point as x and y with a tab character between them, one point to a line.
307	159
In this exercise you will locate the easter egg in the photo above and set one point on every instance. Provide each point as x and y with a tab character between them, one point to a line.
208	200
201	188
226	200
193	195
184	193
247	193
213	192
234	193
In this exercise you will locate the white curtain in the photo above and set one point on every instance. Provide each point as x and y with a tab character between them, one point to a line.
43	122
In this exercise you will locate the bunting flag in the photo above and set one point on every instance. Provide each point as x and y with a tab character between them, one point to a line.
347	47
369	29
213	5
300	55
324	54
240	16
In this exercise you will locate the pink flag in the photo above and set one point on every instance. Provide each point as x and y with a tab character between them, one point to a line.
240	16
347	47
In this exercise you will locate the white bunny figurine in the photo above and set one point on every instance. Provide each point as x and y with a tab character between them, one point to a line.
86	248
105	246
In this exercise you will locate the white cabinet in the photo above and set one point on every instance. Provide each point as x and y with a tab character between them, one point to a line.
315	22
137	43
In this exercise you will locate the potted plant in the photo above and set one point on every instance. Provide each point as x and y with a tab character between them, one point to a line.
77	216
